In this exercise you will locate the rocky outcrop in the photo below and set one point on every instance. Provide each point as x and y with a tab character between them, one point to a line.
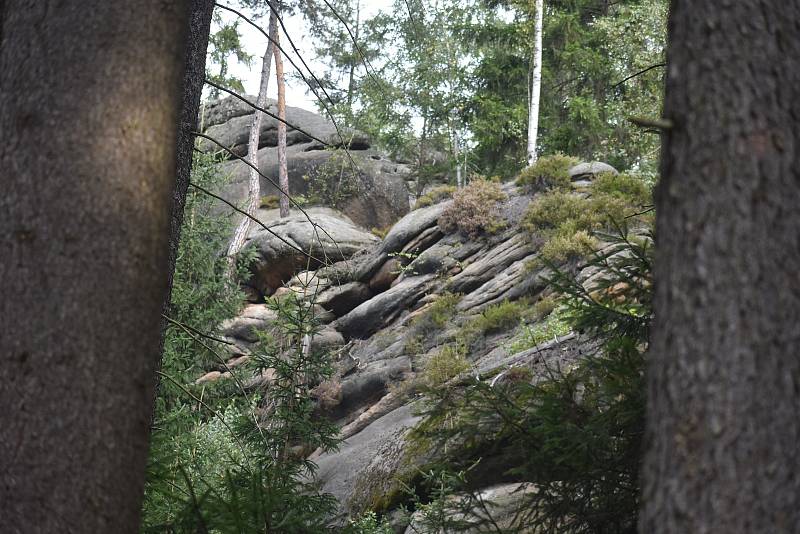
361	182
301	241
373	296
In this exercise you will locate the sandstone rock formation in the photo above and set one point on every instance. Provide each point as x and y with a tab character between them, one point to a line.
362	183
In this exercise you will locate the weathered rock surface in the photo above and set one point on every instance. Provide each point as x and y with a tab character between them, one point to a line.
371	294
502	506
285	245
377	312
367	464
365	185
583	173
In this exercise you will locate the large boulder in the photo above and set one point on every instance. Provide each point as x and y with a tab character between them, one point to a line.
362	183
587	170
291	244
367	468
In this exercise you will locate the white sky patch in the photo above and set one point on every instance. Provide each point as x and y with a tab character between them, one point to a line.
255	44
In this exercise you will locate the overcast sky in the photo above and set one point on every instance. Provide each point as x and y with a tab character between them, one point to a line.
255	43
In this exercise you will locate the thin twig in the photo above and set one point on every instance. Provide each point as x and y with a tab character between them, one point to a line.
261	224
194	330
266	112
635	74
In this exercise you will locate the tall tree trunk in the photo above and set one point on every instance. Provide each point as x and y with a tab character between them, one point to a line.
351	82
254	182
89	103
283	174
724	377
536	84
193	80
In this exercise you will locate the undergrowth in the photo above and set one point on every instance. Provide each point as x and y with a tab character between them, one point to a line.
575	432
567	221
474	210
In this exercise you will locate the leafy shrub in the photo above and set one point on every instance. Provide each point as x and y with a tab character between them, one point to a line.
333	182
552	327
567	220
500	316
446	364
549	172
380	232
270	202
474	209
368	523
434	196
438	314
634	190
215	465
567	245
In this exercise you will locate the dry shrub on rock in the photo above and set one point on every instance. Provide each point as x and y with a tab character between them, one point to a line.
474	209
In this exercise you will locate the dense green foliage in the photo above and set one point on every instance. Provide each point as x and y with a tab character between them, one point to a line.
576	432
547	173
225	457
225	42
565	219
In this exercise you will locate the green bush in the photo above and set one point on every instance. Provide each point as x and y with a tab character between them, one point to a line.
575	433
549	172
434	196
474	209
368	523
438	314
270	202
566	220
499	317
216	463
444	365
553	326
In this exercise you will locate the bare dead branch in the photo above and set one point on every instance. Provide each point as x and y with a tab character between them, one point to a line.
261	224
635	74
266	112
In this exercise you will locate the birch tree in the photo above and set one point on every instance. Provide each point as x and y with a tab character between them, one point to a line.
254	183
536	83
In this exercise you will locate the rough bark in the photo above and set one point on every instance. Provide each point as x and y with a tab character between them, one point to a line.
536	84
89	102
193	80
254	180
724	377
283	173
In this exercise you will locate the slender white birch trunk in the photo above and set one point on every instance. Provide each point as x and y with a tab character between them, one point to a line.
283	174
536	84
254	185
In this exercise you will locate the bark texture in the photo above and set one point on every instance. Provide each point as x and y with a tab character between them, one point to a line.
193	79
283	173
254	179
724	377
89	102
536	84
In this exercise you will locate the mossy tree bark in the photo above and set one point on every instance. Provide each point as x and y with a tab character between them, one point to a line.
90	95
724	376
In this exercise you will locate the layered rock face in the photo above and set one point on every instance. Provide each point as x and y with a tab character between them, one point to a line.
361	182
369	295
